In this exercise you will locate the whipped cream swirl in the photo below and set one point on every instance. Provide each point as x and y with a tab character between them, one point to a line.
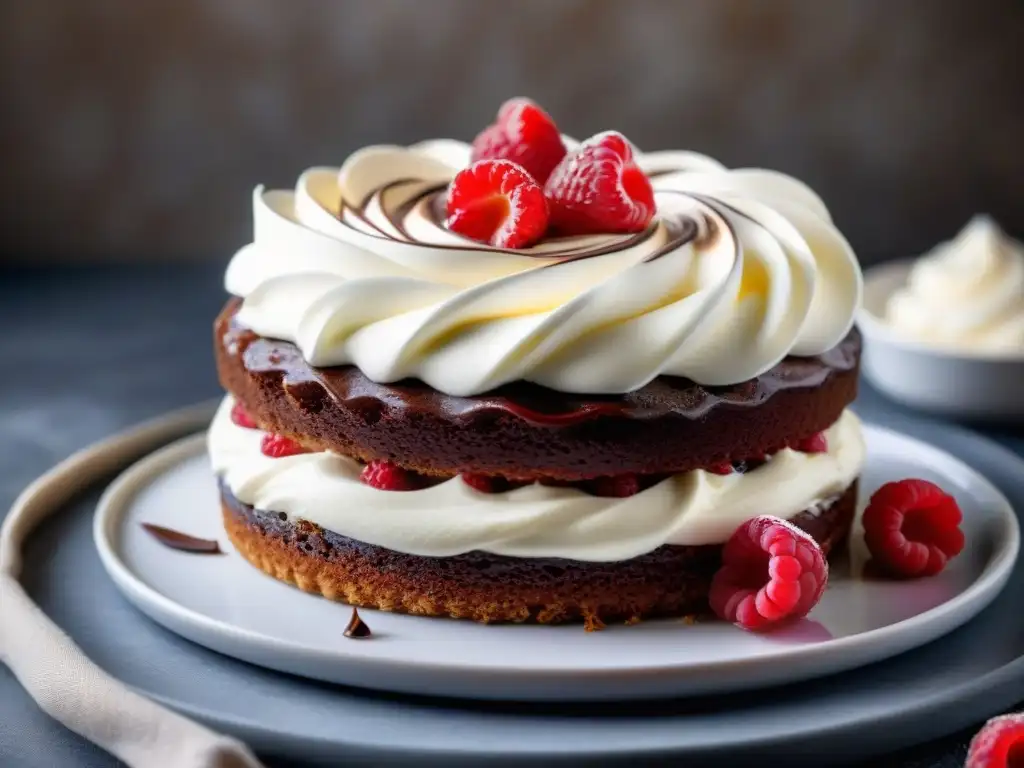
967	293
739	269
537	520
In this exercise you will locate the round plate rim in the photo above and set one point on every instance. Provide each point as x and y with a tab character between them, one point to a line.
902	635
994	686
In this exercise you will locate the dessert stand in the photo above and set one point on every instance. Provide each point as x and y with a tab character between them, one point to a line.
951	683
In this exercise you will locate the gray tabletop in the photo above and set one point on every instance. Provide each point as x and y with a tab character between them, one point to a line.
91	351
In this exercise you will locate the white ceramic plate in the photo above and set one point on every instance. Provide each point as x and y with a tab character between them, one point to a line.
225	604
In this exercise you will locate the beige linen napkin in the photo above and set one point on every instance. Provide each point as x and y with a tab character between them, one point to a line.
55	672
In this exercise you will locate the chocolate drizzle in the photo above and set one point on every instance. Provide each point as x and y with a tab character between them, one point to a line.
357	629
534	404
430	199
521	430
182	542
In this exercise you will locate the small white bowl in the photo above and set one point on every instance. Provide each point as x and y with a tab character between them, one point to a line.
951	382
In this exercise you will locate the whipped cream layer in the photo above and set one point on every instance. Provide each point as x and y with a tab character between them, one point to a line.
967	293
739	269
534	521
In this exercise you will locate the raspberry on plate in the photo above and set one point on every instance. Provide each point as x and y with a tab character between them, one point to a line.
912	528
772	573
1000	744
390	477
279	446
497	202
525	134
598	188
241	417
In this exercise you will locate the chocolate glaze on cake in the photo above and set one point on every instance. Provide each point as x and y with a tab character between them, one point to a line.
525	431
670	581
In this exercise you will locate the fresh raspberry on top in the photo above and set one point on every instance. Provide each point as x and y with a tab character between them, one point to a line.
772	572
390	477
525	134
616	486
816	443
241	417
598	188
1000	744
497	202
912	528
279	446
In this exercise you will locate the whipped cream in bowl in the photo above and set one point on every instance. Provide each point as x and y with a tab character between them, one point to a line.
966	295
945	331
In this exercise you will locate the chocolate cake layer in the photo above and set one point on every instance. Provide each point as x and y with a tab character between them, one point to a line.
525	431
670	581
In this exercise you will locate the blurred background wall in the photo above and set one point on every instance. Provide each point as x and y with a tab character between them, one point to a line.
134	131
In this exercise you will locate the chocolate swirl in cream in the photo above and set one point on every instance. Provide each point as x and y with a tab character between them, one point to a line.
429	203
739	269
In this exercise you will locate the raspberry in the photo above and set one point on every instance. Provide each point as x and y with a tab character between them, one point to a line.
279	446
524	134
496	202
241	417
772	573
615	486
482	483
490	483
598	188
739	467
912	528
390	477
817	443
554	482
1000	744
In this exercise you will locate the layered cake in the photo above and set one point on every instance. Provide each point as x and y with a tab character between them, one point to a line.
531	379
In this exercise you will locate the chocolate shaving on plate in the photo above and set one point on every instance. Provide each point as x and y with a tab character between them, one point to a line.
182	541
357	628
